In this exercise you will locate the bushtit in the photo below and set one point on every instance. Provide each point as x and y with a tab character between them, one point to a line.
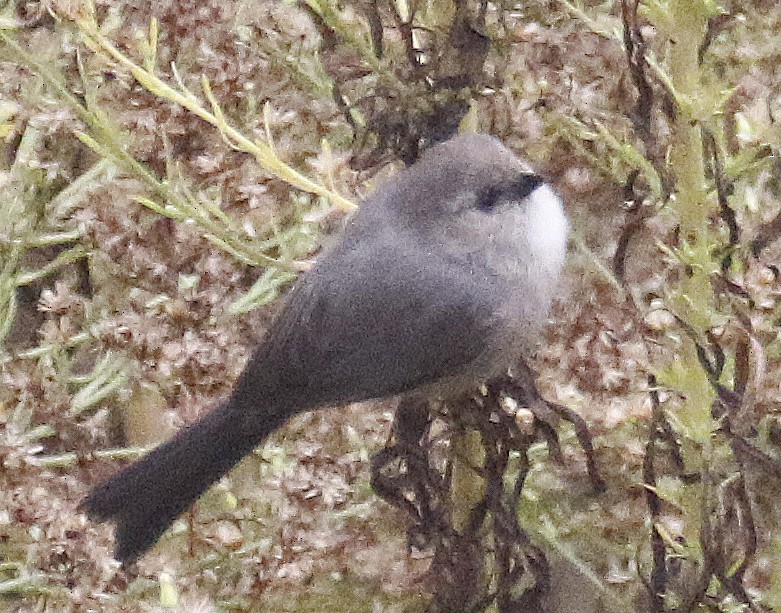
441	280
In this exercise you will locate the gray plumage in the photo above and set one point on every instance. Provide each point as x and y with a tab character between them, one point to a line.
441	280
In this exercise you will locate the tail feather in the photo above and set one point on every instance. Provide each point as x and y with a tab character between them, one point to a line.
147	496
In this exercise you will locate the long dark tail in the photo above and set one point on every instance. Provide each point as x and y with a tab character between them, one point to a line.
146	497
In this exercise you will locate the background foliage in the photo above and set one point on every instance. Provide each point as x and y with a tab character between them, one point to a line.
149	156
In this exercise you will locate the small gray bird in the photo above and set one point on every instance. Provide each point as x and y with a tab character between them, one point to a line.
441	280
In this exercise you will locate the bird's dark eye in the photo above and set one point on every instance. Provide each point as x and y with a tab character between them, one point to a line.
516	191
488	198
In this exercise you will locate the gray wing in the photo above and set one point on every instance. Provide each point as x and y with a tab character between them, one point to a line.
371	323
